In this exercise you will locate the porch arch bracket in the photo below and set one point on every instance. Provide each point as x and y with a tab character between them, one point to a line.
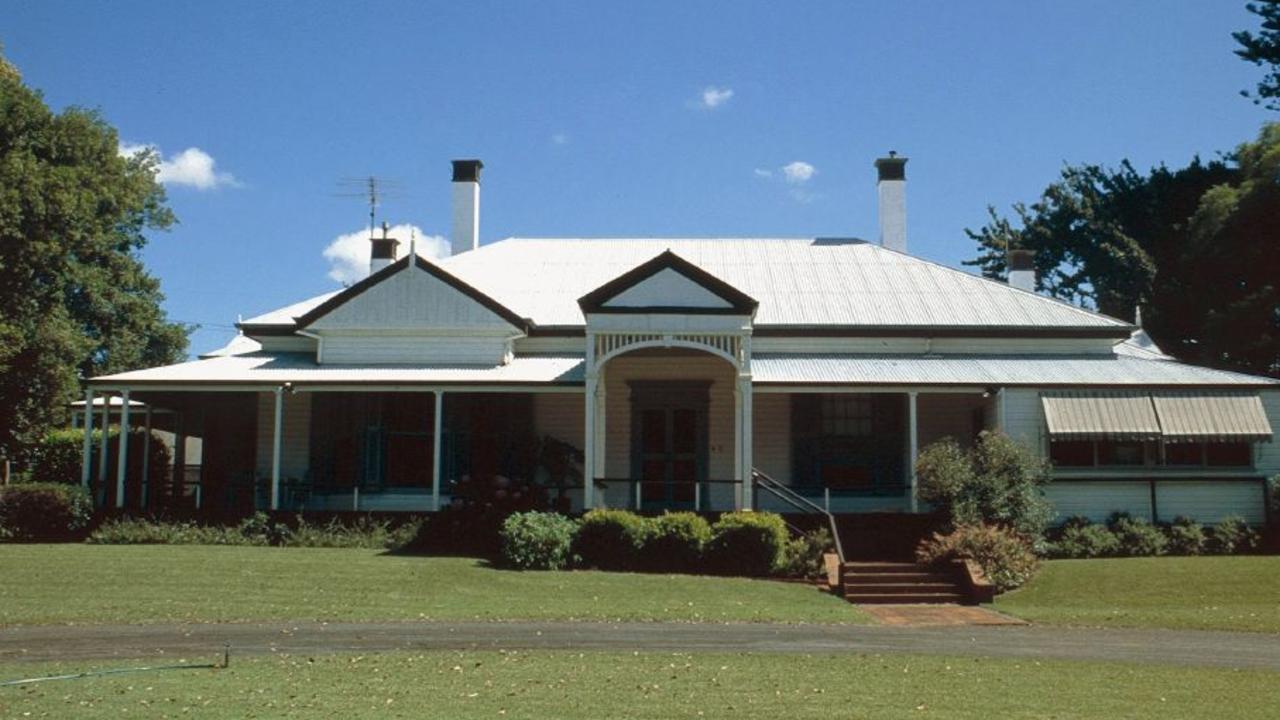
730	347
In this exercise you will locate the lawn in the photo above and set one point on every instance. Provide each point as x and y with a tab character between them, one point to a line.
493	684
1200	593
156	583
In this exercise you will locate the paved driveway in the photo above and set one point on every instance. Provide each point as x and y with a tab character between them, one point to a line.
198	642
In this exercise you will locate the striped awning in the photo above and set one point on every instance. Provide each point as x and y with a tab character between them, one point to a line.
1212	416
1100	416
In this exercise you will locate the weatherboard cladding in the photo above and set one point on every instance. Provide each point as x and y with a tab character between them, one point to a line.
797	282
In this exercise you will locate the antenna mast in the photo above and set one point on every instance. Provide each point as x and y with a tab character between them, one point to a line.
373	190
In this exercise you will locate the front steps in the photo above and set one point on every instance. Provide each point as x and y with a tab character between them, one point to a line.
900	582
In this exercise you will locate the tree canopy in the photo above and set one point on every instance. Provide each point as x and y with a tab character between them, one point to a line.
1196	248
1263	48
75	299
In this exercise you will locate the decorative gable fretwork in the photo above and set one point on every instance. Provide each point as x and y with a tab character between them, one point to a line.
733	347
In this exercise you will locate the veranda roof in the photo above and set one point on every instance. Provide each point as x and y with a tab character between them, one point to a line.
1208	416
270	369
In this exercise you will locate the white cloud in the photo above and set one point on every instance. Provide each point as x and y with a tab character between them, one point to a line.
713	97
348	254
798	172
762	173
193	167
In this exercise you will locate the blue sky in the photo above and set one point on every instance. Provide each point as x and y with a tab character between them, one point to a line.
617	119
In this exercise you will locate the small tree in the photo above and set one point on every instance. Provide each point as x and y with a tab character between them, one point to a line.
997	482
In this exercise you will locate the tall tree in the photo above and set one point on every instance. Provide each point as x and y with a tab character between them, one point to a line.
75	300
1263	49
1198	248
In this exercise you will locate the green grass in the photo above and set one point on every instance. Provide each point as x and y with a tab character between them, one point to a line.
570	685
46	584
1201	593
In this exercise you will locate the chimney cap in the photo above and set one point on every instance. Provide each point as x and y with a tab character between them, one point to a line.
892	167
1022	259
467	170
384	248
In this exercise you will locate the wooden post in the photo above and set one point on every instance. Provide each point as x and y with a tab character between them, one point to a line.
122	463
146	458
589	444
437	432
86	445
913	452
102	447
276	440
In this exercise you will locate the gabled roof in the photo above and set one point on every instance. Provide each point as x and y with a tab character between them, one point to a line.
811	284
418	262
732	301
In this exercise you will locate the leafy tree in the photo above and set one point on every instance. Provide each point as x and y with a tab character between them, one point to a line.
1263	49
75	300
1195	247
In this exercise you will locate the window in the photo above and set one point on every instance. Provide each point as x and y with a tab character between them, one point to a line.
846	416
1071	453
1118	453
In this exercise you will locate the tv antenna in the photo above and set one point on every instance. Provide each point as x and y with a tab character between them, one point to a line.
373	190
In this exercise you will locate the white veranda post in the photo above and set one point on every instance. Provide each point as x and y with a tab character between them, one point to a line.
276	438
102	446
122	464
437	432
86	445
913	450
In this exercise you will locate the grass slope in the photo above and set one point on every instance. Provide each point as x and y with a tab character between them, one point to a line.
155	583
589	685
1200	593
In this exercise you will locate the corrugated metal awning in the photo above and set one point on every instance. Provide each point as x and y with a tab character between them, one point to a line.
1100	416
1212	416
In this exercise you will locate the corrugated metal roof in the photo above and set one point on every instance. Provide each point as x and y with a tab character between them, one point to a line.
1209	416
798	281
297	368
1100	416
989	370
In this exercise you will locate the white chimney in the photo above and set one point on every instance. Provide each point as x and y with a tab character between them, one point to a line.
892	189
1022	269
382	251
466	206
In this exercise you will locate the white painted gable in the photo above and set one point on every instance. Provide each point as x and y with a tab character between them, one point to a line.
412	299
667	288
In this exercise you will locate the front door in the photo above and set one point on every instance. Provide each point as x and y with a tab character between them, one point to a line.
669	451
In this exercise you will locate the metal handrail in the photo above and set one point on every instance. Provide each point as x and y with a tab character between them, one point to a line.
800	502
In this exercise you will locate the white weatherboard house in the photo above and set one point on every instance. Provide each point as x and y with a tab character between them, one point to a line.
686	370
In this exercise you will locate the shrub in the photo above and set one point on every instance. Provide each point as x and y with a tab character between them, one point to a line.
747	543
1186	537
537	540
1137	537
675	542
1005	557
611	539
140	531
258	529
472	521
803	556
57	457
1233	535
997	482
43	512
1080	538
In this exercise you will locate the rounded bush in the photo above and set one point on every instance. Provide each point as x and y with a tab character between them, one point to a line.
1005	557
610	539
803	557
1186	537
537	540
675	542
1233	535
1085	540
43	512
748	543
1137	537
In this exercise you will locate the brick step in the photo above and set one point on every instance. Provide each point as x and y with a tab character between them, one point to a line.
915	577
888	588
904	598
884	567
